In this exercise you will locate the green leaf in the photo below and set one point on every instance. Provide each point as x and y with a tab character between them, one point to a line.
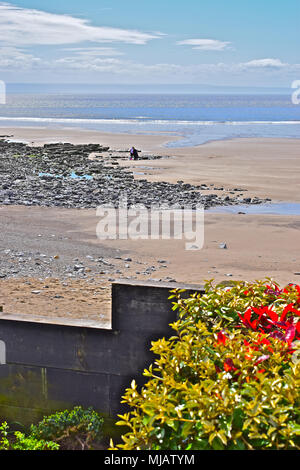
217	444
238	418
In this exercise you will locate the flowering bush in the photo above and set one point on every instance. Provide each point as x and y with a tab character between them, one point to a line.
226	303
228	379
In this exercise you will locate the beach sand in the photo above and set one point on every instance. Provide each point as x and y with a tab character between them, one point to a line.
258	246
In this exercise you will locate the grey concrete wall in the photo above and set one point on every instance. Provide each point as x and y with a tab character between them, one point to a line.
51	366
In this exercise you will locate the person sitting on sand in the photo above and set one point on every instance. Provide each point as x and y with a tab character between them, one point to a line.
134	154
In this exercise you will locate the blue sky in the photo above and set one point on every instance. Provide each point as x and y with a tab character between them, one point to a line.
216	42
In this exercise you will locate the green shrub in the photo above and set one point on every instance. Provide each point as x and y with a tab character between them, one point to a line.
75	429
18	441
65	430
228	379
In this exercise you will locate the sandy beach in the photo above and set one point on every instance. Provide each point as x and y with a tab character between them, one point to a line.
258	246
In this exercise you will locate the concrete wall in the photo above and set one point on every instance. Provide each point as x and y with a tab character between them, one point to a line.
52	366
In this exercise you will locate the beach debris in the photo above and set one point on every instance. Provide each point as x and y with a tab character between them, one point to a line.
223	246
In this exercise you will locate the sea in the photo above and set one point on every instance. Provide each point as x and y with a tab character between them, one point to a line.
193	118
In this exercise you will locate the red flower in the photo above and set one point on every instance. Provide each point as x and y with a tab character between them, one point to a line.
287	309
246	319
221	338
228	365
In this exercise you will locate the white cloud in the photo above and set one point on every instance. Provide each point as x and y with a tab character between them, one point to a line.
115	66
93	64
205	44
264	63
93	51
13	58
22	26
105	63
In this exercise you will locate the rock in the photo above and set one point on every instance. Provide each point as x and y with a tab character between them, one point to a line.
78	267
46	180
106	263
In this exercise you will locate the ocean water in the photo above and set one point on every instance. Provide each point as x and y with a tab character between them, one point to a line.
194	118
274	208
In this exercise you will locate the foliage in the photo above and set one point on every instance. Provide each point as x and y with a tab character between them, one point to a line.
228	379
75	429
18	441
224	304
70	429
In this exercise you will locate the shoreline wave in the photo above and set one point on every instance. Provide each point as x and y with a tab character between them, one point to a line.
143	121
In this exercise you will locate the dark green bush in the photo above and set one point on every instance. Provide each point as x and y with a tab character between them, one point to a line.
75	429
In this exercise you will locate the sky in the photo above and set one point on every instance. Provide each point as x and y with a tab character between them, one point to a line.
250	43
